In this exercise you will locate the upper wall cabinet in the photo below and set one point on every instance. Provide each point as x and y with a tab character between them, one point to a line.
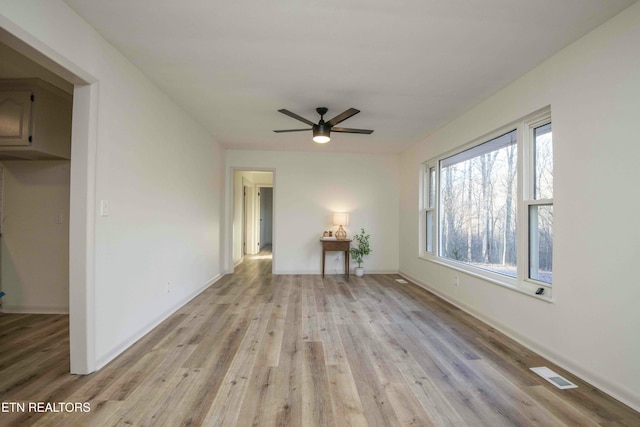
35	120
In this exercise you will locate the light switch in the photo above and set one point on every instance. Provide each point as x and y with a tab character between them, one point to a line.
60	218
104	208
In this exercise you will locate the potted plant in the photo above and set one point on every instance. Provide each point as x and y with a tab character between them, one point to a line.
358	252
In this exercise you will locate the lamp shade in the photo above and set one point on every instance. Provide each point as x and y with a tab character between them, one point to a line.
340	219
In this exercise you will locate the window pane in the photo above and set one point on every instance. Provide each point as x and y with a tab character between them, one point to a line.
541	242
543	162
429	231
432	188
478	205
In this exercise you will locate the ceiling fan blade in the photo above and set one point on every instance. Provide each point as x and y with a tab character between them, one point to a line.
297	117
291	130
343	116
349	130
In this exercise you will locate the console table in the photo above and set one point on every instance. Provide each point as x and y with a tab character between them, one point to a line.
336	246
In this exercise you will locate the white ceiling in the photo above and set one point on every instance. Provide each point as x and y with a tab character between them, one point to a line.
409	66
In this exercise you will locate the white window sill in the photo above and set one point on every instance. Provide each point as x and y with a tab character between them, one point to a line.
480	274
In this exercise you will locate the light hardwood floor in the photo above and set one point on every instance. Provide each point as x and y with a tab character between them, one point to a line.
256	349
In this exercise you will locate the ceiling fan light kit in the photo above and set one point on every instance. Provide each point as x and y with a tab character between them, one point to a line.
321	134
322	130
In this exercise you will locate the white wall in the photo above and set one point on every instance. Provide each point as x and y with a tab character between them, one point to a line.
160	171
35	237
309	188
593	87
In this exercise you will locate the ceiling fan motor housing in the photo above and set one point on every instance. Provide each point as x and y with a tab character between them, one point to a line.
321	127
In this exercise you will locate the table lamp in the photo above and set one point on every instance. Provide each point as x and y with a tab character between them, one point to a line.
340	219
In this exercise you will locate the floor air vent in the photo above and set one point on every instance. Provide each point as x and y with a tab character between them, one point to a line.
553	378
401	281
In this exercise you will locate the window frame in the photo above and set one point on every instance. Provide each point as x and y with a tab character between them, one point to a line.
525	169
427	208
529	200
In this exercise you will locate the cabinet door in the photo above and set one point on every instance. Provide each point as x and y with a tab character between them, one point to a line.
15	117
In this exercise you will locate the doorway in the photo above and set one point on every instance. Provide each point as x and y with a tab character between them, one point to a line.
253	215
81	182
34	216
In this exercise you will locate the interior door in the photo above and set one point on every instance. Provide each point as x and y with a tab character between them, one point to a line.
245	190
266	216
261	241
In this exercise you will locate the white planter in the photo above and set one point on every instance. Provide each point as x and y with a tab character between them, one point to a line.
359	271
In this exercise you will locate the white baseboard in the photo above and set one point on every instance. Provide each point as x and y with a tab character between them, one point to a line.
330	273
618	392
104	360
34	310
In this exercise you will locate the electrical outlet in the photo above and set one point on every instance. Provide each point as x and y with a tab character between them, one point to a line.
456	281
168	287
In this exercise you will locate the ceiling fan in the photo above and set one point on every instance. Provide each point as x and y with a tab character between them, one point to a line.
322	130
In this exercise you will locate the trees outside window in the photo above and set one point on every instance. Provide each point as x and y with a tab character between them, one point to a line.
478	216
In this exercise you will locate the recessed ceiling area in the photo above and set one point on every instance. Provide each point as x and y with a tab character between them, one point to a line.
408	66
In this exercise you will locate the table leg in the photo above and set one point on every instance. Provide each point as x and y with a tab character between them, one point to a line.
323	254
346	261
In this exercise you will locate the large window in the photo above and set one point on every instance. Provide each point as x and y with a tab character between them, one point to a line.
488	207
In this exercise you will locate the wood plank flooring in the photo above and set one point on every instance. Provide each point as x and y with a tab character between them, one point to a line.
256	349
